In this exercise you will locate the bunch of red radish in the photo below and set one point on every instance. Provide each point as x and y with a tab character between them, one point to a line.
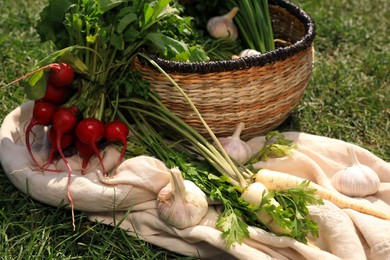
66	128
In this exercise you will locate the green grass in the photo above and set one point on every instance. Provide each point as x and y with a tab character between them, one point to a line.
348	98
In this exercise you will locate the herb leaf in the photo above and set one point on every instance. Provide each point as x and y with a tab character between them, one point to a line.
106	5
35	87
275	145
53	29
233	228
297	199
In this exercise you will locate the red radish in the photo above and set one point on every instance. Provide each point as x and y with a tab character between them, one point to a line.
64	121
54	94
61	74
43	114
90	131
117	131
85	152
66	141
59	69
39	101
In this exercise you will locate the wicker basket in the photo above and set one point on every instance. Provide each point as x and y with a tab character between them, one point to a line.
260	91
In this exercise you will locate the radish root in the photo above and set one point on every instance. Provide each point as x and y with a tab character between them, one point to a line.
275	180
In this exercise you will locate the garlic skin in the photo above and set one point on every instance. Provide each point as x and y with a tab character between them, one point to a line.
356	180
223	26
181	203
237	149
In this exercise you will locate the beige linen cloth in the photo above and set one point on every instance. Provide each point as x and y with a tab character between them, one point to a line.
131	195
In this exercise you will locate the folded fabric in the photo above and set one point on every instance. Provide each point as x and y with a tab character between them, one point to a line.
129	198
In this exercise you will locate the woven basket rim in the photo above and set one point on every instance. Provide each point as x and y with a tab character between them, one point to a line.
250	61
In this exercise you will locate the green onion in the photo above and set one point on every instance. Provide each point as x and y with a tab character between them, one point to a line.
254	23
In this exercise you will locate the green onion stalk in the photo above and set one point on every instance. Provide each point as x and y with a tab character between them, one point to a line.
254	23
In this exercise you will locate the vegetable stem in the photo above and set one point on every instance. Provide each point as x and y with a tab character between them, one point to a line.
254	23
206	149
232	167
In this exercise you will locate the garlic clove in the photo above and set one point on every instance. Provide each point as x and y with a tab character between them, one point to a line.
356	180
237	149
181	203
223	26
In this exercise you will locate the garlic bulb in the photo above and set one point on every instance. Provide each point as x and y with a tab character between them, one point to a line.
356	180
237	149
181	203
223	26
248	52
